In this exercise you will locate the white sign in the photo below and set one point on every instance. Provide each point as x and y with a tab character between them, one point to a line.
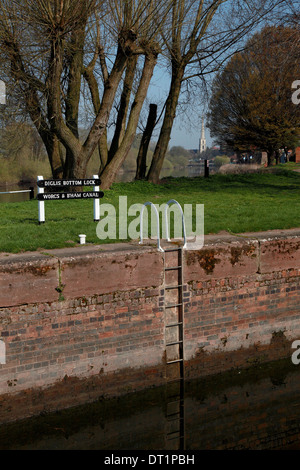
96	194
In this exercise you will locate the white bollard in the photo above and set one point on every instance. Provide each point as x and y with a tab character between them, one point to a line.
82	239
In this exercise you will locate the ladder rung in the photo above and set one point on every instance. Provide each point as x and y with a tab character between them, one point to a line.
173	305
173	249
170	420
172	402
175	361
175	342
174	287
175	437
171	397
171	325
172	268
175	395
179	379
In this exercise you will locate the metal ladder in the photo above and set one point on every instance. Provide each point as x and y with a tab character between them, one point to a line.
174	337
174	330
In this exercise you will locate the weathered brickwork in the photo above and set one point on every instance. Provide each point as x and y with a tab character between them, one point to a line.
79	324
256	319
244	301
81	337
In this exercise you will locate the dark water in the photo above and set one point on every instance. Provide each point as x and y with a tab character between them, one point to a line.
253	409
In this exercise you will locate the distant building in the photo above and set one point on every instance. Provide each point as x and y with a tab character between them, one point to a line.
202	142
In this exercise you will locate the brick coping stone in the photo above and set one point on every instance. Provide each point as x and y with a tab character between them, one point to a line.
148	245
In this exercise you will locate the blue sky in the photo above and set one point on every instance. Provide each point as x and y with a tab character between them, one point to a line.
186	130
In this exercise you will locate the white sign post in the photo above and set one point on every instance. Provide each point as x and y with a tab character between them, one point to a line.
41	203
42	184
96	203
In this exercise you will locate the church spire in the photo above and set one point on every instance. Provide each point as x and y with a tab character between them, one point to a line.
202	146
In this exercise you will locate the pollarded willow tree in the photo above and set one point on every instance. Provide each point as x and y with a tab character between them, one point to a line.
148	18
49	47
199	37
251	104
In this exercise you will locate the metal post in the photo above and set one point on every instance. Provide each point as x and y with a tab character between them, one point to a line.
158	226
206	169
172	201
31	194
41	203
96	202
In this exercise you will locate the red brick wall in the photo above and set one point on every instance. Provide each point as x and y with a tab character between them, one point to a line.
244	299
82	323
73	320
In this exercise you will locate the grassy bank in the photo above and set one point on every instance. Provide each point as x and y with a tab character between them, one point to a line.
236	203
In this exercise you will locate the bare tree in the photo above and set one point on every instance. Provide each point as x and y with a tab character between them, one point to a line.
201	36
148	19
47	46
29	34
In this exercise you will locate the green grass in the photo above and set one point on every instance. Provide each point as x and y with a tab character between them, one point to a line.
236	203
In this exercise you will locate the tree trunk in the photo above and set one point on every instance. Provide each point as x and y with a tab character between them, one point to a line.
100	123
109	174
55	115
81	154
270	157
144	145
103	151
166	129
74	60
94	90
124	105
54	155
48	137
288	155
